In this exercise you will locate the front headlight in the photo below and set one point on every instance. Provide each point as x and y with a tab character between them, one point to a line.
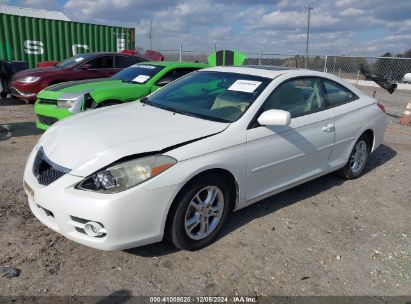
123	176
66	103
28	79
74	104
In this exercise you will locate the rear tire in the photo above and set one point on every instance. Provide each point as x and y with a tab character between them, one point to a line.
358	159
203	207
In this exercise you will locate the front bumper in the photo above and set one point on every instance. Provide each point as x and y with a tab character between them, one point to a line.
48	114
25	91
131	218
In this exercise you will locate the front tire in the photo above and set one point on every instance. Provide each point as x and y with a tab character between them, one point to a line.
358	159
203	207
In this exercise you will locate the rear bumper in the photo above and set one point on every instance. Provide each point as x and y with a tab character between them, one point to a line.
379	128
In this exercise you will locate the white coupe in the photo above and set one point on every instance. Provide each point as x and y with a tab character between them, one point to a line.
175	164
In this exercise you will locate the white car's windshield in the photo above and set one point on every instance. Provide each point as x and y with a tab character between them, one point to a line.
214	96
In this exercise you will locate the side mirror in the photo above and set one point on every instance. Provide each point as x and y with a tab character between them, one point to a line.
86	66
274	118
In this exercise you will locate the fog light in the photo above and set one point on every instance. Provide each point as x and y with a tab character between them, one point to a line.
93	229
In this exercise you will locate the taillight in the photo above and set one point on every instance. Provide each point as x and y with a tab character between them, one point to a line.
381	106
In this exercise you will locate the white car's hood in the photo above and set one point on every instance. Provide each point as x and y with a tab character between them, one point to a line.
89	141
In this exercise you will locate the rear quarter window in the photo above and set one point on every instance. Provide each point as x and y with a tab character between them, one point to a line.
336	94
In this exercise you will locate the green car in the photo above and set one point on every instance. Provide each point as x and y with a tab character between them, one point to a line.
65	99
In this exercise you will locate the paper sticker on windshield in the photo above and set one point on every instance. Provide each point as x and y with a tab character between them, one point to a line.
141	78
144	66
79	59
247	86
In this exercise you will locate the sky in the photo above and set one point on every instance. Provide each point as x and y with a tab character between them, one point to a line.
338	27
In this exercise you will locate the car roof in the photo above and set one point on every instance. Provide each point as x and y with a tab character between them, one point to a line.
270	71
176	63
255	70
108	53
269	67
94	54
275	71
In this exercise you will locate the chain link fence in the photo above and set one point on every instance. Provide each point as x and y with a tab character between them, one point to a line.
346	67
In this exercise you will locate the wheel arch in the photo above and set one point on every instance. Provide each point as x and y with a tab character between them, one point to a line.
369	133
228	176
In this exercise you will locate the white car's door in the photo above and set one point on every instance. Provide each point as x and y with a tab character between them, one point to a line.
278	156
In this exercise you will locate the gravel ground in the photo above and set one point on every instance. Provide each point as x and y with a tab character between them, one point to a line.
326	237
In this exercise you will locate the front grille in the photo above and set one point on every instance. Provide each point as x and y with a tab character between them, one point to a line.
47	101
47	120
15	92
45	170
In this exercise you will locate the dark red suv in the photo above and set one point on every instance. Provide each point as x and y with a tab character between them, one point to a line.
26	84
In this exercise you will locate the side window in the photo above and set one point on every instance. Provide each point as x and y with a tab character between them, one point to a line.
103	62
126	61
173	75
336	94
300	97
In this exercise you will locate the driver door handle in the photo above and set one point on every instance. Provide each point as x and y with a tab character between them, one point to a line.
328	128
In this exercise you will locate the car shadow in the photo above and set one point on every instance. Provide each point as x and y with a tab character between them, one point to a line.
116	297
274	203
12	102
380	156
18	129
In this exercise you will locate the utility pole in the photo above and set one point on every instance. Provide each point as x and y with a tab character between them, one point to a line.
308	8
150	34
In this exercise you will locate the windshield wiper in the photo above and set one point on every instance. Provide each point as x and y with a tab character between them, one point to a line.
145	100
192	114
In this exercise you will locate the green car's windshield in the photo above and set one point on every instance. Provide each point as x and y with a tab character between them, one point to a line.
138	73
210	95
72	61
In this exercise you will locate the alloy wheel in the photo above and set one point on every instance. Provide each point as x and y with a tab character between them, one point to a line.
358	157
204	212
